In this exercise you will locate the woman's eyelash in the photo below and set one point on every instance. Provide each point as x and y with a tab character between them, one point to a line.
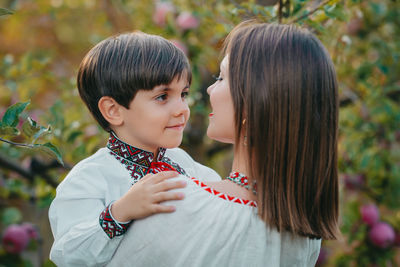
218	78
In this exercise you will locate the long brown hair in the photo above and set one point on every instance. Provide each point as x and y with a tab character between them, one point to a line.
283	83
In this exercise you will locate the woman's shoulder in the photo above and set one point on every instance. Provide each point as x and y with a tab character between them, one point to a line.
192	167
204	224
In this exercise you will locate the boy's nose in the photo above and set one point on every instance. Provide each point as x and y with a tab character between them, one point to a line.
181	108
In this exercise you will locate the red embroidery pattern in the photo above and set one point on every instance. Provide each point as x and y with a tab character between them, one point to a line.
242	180
159	166
137	161
224	196
111	227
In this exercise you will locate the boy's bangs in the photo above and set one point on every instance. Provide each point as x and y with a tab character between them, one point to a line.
164	68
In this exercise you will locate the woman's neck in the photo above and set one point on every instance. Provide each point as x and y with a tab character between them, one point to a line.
240	161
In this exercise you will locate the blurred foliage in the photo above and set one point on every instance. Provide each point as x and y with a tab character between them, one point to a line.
43	41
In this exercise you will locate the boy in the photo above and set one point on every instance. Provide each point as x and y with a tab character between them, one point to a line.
135	85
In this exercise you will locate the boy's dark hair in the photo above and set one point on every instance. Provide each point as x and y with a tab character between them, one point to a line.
121	65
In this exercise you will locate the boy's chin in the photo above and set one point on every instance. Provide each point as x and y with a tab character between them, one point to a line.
173	143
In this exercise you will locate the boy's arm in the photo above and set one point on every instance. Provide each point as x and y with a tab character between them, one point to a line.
75	215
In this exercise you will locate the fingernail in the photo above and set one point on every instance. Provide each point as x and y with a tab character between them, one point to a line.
183	183
181	195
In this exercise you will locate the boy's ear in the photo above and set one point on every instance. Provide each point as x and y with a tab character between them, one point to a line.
110	110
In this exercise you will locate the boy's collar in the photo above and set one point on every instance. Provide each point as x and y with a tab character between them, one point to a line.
131	153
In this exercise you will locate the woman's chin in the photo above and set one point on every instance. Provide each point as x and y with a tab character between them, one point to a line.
218	137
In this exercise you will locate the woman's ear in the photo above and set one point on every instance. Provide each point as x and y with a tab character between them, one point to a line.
110	110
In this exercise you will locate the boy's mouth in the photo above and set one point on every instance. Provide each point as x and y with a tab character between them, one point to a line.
177	126
211	114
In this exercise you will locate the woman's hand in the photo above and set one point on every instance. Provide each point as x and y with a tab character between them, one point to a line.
144	197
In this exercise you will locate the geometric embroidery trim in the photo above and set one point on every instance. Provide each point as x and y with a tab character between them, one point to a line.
137	161
111	227
131	153
242	180
227	197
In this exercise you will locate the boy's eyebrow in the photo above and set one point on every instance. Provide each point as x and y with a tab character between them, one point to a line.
166	88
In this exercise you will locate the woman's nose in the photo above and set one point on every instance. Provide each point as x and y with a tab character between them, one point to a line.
209	89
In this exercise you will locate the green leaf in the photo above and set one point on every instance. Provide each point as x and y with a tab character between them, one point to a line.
71	138
7	130
50	149
30	127
10	216
335	12
42	132
49	263
4	11
11	115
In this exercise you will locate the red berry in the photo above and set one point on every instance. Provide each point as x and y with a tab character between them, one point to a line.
369	214
382	235
15	239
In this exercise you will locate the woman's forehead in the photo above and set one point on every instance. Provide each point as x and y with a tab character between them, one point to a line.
224	63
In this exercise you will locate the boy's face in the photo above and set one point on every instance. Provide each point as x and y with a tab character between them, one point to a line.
156	118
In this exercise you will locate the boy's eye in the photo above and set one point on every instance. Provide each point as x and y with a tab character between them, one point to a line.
218	78
162	97
184	94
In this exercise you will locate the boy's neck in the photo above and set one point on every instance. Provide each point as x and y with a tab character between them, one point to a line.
141	147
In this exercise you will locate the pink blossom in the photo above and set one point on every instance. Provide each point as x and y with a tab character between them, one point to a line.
31	229
369	214
180	45
186	21
15	239
322	257
354	181
382	235
91	130
161	11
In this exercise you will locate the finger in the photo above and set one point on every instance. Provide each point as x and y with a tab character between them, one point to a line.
158	208
168	185
166	196
146	177
161	176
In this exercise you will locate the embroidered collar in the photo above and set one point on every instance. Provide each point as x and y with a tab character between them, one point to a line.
131	153
242	180
140	162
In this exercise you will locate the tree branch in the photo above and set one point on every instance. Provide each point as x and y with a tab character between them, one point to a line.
15	144
8	164
25	173
280	7
239	7
311	12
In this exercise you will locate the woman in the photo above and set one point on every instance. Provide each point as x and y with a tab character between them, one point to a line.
276	101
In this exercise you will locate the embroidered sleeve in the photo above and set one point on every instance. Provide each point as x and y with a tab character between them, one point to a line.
111	226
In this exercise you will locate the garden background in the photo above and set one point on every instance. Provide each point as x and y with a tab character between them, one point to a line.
45	129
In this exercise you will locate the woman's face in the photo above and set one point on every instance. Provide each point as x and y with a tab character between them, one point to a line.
222	124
